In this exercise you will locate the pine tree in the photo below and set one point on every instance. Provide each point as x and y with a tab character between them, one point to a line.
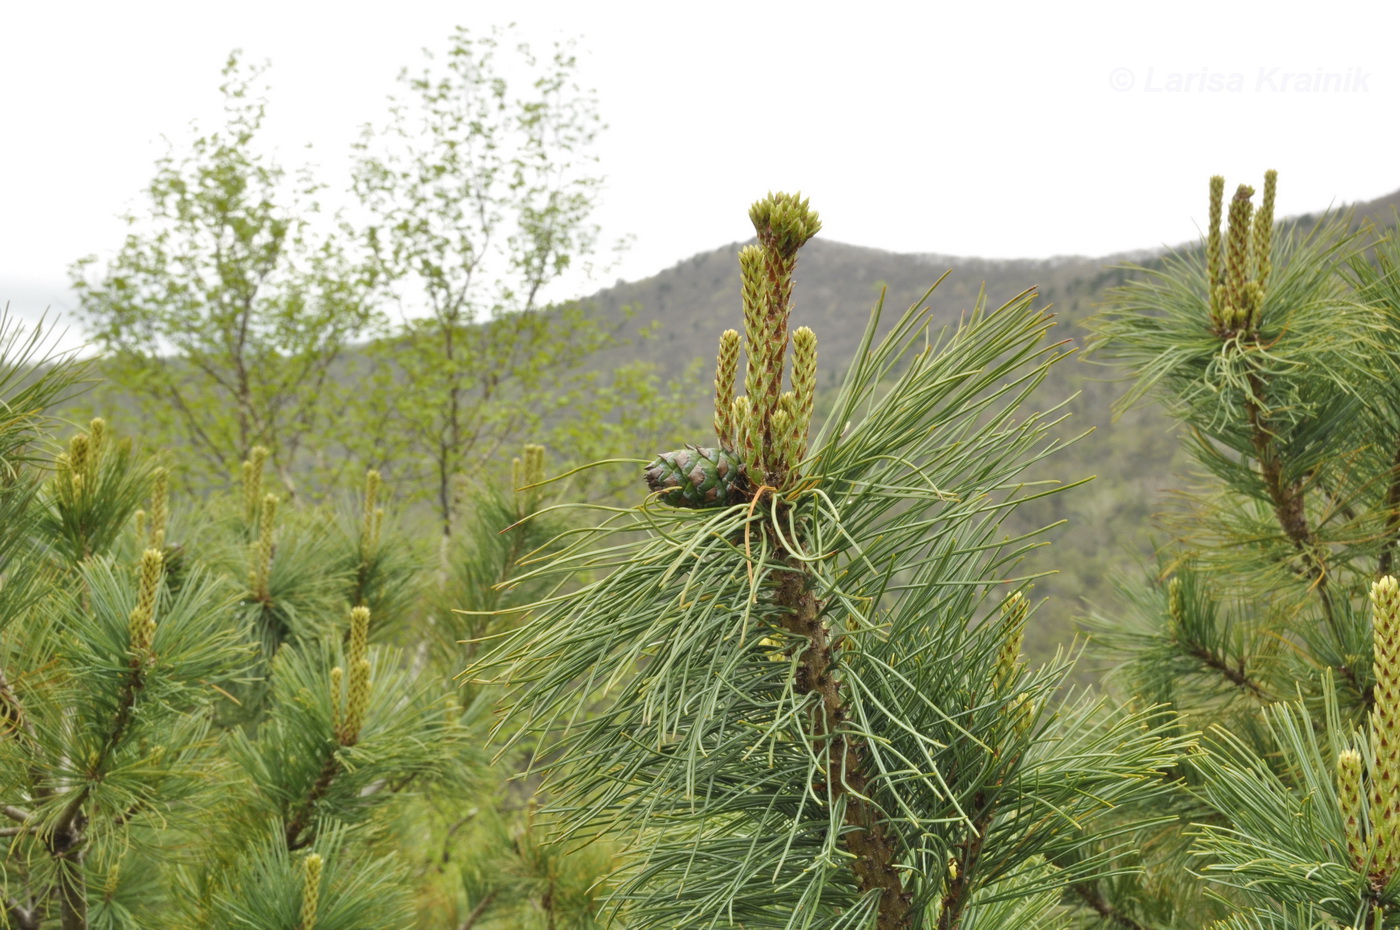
141	787
238	711
480	191
1277	349
792	677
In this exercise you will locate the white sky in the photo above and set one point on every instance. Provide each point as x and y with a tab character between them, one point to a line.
996	129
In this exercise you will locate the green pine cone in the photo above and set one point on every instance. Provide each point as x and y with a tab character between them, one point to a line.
694	477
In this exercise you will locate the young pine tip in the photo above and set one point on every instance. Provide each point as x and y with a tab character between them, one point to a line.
311	891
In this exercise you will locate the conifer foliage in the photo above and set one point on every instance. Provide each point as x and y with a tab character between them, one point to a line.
792	676
165	759
1272	624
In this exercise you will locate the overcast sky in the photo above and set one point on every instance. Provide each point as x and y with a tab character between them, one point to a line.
997	129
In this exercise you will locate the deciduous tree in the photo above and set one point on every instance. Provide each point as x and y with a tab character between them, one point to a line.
482	188
224	313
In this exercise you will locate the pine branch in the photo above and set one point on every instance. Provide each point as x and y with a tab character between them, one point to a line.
66	839
12	711
17	723
961	884
1287	499
1392	518
846	775
1089	893
959	893
72	891
1235	674
22	918
477	911
302	820
67	824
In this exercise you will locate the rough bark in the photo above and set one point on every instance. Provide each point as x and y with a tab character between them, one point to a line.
868	837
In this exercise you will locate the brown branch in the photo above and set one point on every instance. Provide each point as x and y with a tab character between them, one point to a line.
959	894
1089	893
451	832
846	777
203	443
299	823
16	814
477	911
1235	674
129	814
22	918
1287	499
